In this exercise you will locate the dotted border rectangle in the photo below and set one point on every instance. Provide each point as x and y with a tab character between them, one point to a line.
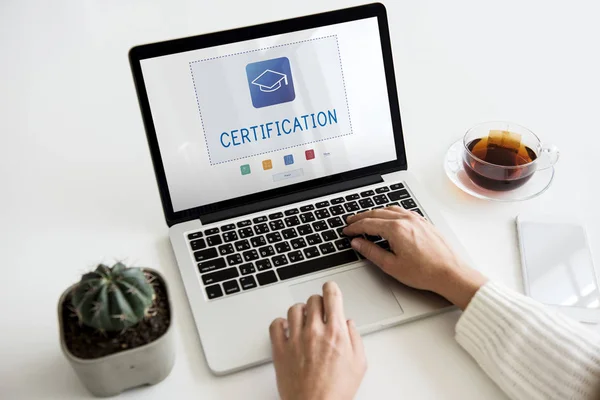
265	48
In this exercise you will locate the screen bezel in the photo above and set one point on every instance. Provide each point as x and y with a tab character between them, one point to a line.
139	53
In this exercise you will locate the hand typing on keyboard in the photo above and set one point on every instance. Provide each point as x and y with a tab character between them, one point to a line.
316	352
419	256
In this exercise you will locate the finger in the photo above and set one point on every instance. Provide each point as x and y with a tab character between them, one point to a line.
355	339
314	310
296	319
372	252
278	337
333	304
393	212
370	226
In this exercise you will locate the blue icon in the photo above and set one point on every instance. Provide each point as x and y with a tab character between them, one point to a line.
270	82
288	160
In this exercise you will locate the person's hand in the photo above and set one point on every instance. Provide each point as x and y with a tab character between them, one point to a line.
316	352
419	256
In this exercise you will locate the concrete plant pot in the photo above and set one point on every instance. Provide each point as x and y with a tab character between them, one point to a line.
112	374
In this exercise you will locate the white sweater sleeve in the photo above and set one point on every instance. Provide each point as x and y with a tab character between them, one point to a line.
529	351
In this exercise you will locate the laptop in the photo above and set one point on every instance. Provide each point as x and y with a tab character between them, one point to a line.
264	139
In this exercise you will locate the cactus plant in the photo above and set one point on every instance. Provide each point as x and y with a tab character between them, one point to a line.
112	298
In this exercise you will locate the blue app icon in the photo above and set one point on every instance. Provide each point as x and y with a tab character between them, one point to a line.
288	160
270	82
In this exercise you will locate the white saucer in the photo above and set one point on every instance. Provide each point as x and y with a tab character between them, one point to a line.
453	165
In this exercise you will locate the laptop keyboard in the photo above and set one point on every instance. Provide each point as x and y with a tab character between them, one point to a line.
284	245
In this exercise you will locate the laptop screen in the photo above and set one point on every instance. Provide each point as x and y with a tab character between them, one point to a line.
251	116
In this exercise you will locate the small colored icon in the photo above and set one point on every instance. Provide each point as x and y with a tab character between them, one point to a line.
245	169
310	154
267	164
288	160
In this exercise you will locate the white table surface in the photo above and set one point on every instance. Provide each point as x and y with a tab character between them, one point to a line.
78	185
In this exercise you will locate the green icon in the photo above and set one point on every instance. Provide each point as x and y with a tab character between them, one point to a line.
245	169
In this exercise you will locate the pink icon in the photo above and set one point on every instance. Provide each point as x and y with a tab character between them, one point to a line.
310	154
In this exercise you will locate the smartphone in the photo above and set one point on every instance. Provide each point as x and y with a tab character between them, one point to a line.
558	268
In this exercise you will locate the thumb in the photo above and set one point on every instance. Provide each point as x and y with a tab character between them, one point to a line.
372	252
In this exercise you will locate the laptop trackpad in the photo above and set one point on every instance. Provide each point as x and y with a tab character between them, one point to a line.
367	296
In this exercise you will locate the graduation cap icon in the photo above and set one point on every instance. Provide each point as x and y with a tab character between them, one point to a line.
270	81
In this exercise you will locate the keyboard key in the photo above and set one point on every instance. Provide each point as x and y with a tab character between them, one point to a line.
219	276
296	256
322	214
226	249
258	241
250	255
309	207
289	233
367	193
380	199
366	203
298	243
322	204
266	251
361	211
307	217
207	254
338	200
234	259
282	247
399	195
258	220
305	229
293	211
335	222
214	291
242	245
227	227
376	208
276	215
383	244
274	237
408	204
248	282
337	210
266	278
276	225
373	238
278	261
383	189
320	226
241	224
246	232
397	186
261	228
393	204
292	221
419	212
230	236
352	206
246	269
194	235
314	239
315	265
342	244
345	217
211	265
327	248
198	244
329	235
352	197
231	287
211	231
214	240
311	252
261	265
